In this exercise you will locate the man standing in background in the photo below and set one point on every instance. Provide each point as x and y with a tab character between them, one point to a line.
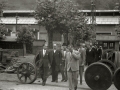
56	60
82	60
90	55
62	65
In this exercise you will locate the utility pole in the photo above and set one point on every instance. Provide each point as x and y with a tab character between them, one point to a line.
93	18
16	21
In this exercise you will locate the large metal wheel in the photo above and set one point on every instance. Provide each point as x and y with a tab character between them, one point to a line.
117	78
110	64
98	76
27	73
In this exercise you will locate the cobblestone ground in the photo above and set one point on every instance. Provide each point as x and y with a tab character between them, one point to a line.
11	82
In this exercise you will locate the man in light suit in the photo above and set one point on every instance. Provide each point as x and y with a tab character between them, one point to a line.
82	61
72	58
45	63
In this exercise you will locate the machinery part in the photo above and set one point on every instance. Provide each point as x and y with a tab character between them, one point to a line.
117	59
110	64
98	76
109	54
27	73
117	79
36	59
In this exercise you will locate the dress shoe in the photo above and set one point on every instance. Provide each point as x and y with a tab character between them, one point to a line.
75	88
62	80
52	81
43	83
65	80
56	81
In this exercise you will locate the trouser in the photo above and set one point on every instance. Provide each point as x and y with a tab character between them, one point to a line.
62	66
66	77
81	68
54	73
72	79
44	73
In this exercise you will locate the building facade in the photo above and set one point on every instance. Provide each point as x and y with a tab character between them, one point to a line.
106	20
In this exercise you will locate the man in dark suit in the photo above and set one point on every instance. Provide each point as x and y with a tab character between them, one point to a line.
62	64
55	64
45	63
90	55
98	53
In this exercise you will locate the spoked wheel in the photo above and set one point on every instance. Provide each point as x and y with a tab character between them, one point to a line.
27	73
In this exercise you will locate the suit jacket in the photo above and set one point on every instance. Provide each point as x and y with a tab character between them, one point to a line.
45	60
55	59
73	60
98	53
90	56
82	56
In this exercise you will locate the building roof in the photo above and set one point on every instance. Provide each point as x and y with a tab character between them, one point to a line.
105	20
31	11
32	20
20	20
99	11
18	11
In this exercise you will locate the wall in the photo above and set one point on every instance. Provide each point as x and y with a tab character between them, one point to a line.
108	28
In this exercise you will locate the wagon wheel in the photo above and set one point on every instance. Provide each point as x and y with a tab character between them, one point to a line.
110	64
27	73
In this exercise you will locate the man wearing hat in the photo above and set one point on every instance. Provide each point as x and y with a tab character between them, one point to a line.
55	62
62	64
45	63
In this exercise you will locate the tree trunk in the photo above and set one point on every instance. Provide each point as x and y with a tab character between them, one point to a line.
24	49
50	39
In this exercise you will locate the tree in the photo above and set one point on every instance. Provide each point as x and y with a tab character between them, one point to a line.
25	35
3	31
61	16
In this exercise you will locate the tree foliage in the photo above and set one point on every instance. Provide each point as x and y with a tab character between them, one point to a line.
25	34
62	16
3	31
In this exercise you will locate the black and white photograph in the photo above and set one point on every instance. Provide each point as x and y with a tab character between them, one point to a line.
59	44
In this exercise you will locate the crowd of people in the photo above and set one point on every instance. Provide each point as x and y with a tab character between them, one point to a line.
69	61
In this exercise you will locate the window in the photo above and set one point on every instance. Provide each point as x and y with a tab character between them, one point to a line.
104	44
111	45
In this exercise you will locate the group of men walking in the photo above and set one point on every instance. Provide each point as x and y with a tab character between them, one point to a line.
68	60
